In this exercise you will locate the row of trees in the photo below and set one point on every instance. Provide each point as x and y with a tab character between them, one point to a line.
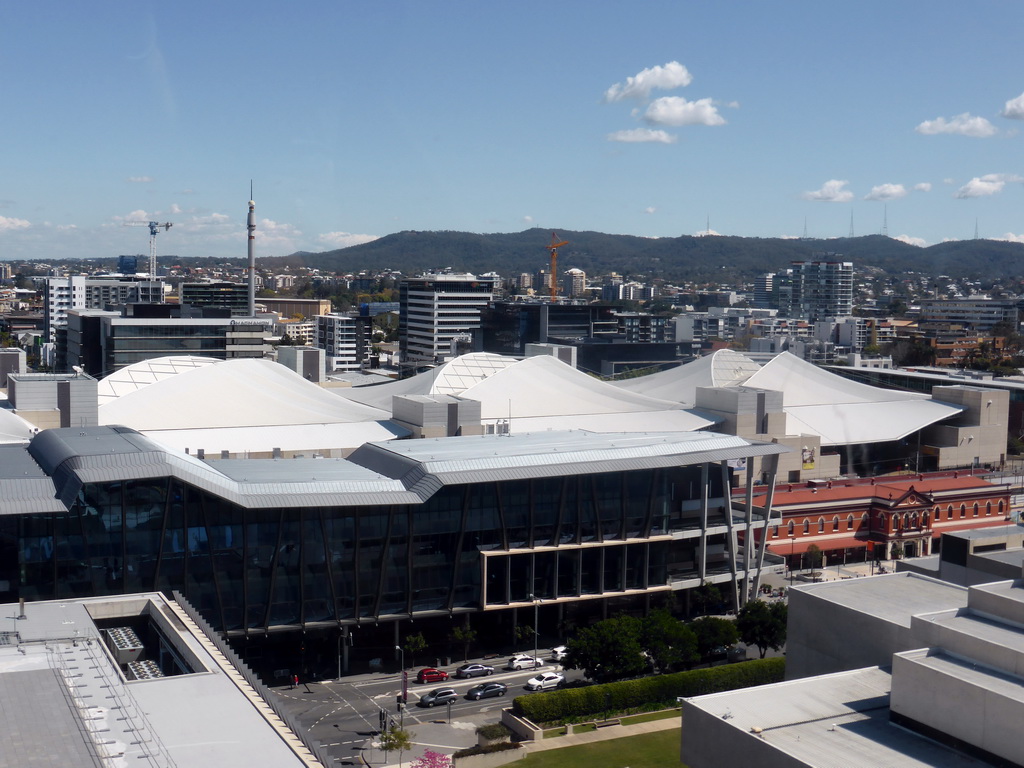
626	646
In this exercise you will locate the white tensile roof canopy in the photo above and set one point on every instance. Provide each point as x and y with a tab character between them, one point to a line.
451	378
724	368
246	405
542	392
816	402
138	375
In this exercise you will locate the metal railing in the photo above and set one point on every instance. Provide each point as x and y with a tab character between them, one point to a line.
293	723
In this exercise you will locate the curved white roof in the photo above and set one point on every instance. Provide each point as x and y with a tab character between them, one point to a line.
724	368
451	378
14	429
841	411
542	392
141	374
816	401
235	393
247	406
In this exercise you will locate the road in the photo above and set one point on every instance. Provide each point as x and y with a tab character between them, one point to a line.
344	715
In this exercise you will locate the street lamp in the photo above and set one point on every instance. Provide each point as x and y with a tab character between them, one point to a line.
402	652
792	546
536	604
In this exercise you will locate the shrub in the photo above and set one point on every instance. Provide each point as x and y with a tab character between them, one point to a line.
494	731
645	693
501	747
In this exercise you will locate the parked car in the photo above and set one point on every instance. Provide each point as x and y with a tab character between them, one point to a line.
474	670
486	691
558	653
522	661
544	681
431	675
438	696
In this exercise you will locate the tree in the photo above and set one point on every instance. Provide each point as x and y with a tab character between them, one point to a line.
395	738
813	557
706	598
763	625
524	633
466	637
669	643
415	644
713	632
431	759
609	650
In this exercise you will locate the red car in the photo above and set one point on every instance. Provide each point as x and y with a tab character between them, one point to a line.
431	675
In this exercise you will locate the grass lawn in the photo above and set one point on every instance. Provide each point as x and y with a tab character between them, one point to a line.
646	718
649	750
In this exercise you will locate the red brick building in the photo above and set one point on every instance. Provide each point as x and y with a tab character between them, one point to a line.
888	517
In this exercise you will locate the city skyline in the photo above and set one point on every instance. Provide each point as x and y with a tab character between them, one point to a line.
357	121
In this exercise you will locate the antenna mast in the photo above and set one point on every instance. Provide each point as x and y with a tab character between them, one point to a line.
251	226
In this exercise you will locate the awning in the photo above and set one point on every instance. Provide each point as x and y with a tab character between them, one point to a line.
785	547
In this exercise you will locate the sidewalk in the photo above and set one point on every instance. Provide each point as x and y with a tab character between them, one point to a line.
441	737
602	734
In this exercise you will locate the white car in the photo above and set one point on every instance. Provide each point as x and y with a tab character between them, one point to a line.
544	681
522	661
558	653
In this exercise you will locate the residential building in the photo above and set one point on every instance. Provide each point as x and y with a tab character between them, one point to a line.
345	340
434	310
822	289
95	292
577	282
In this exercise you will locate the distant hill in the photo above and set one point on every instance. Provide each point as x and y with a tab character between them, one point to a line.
714	258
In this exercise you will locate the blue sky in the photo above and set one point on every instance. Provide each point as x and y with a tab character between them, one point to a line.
355	120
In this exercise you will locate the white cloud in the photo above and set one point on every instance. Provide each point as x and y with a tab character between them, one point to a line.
949	181
637	135
139	179
650	209
344	239
965	125
640	85
66	227
1010	238
707	233
924	186
527	219
831	191
675	110
886	192
10	224
1014	108
987	185
920	242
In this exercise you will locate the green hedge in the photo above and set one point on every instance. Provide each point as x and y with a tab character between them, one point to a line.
470	751
571	703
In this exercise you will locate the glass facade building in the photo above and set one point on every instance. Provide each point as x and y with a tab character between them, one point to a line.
400	530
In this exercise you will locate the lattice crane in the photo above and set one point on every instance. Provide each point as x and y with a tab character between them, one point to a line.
154	226
553	279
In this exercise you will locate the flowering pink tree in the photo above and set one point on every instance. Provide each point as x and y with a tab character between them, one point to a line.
432	760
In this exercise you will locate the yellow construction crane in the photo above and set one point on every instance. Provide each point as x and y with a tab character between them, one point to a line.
153	227
553	279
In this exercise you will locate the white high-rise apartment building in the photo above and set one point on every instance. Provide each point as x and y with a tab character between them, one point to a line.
95	292
338	336
434	309
822	289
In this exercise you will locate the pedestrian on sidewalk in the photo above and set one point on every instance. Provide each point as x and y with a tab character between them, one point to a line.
295	682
